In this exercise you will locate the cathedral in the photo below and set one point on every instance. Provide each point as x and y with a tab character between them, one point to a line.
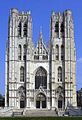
41	77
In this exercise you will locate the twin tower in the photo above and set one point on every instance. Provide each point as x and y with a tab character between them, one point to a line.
41	77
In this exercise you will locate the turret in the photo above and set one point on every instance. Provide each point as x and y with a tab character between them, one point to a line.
57	25
69	27
29	31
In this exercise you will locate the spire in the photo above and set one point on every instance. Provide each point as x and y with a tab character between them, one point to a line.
41	36
40	42
40	48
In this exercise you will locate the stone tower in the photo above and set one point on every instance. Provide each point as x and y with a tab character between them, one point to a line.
41	77
63	54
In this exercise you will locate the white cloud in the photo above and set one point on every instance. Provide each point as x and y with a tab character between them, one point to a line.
79	60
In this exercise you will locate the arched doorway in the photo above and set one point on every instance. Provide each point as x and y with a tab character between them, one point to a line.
41	101
60	102
22	103
41	78
60	97
21	92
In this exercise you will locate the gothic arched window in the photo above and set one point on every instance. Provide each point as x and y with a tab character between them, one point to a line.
41	78
56	27
59	74
57	52
19	52
25	29
24	54
19	29
62	52
62	29
22	74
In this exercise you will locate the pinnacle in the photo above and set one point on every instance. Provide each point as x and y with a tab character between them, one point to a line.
41	36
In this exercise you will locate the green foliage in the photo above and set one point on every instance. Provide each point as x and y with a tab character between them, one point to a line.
41	118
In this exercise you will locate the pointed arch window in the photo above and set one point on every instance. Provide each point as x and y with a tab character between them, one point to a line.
41	78
62	29
19	29
57	27
19	52
62	52
59	74
57	52
22	74
25	29
24	54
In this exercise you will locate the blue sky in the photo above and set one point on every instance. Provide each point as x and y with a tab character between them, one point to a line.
41	12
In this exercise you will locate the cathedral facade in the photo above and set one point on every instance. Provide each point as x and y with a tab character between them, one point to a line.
40	77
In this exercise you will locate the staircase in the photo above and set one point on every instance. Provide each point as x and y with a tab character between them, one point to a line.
18	112
75	112
6	112
39	113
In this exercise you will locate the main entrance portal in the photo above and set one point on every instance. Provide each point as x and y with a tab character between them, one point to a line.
41	101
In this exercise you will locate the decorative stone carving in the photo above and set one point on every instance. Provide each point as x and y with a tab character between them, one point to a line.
59	92
21	92
49	58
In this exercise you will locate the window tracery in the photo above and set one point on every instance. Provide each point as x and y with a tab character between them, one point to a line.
19	29
25	29
57	27
57	52
62	52
59	74
19	52
24	54
22	74
41	78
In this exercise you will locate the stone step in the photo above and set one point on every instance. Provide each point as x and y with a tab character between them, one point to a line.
5	113
73	112
36	113
17	113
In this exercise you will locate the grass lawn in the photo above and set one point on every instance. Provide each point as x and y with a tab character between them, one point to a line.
41	118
